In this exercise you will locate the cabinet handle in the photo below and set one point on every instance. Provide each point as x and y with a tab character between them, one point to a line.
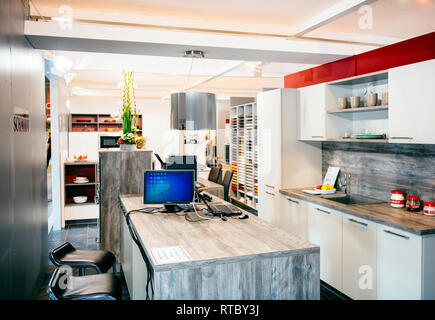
402	138
316	136
272	194
324	211
269	186
396	234
358	222
294	201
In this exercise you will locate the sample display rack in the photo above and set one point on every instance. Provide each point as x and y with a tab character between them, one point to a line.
98	123
244	154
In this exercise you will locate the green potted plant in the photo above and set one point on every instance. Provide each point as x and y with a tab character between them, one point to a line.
129	113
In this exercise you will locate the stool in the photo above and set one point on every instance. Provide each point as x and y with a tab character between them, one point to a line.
100	260
93	287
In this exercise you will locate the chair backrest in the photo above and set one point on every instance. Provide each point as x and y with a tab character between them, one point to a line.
226	182
57	254
54	290
214	174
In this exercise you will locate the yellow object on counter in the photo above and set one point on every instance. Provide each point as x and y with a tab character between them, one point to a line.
327	187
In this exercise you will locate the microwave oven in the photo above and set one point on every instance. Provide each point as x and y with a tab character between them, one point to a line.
109	142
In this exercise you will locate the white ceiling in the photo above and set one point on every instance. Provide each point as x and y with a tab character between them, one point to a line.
199	24
98	74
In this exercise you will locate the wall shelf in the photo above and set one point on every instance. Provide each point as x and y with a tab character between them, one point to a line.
97	123
361	109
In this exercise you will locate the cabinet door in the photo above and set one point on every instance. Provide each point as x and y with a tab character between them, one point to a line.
294	216
269	138
411	105
325	230
399	264
312	112
269	206
359	258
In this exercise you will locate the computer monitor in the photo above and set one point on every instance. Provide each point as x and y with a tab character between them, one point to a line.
168	188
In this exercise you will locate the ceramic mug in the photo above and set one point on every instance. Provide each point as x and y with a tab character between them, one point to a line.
372	99
385	99
342	103
354	102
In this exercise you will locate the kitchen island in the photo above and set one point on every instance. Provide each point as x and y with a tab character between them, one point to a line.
233	259
120	172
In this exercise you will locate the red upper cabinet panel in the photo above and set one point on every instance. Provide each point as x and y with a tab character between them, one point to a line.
398	54
409	51
343	68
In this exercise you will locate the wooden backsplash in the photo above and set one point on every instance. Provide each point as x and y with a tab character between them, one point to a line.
378	168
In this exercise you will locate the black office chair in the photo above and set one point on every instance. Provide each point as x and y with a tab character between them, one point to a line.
100	260
226	182
214	175
94	287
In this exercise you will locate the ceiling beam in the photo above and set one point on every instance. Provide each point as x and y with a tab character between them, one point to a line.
327	16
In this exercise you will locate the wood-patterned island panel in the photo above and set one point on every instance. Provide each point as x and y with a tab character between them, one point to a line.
234	259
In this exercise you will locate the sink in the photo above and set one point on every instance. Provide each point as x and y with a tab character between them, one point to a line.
354	199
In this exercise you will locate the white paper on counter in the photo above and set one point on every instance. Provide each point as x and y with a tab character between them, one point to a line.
169	255
331	176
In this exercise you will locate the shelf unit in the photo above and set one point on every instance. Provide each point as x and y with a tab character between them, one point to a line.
97	123
89	209
244	154
356	120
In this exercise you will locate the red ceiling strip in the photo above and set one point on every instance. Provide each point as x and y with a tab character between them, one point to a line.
398	54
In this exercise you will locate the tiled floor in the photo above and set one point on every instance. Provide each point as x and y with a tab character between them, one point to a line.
82	237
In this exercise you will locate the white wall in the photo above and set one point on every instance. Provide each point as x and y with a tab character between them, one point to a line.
156	119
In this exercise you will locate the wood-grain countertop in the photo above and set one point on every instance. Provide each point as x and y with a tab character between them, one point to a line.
383	213
209	241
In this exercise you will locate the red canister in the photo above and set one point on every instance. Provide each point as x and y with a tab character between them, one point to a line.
397	199
429	208
413	203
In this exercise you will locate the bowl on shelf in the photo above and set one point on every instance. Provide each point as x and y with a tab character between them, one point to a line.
80	199
110	120
372	99
342	103
81	180
355	102
111	129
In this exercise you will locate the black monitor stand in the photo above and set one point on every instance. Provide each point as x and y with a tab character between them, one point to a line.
171	208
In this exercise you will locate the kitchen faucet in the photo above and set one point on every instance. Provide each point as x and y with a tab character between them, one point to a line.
345	182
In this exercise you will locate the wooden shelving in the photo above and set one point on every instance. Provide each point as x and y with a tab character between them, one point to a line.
97	123
88	209
244	154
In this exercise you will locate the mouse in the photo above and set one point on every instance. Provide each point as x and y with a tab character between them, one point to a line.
244	216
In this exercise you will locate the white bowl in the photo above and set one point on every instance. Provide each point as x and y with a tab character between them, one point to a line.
81	199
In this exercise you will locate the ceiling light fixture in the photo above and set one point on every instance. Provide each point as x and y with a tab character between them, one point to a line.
194	54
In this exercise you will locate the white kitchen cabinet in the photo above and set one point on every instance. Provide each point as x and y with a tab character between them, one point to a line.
82	211
294	216
325	230
312	113
411	106
399	264
359	258
283	161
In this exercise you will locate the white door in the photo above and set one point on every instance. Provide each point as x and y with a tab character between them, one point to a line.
312	112
359	258
325	230
294	216
411	104
399	264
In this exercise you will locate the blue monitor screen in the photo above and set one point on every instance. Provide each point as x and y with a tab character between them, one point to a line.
168	186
